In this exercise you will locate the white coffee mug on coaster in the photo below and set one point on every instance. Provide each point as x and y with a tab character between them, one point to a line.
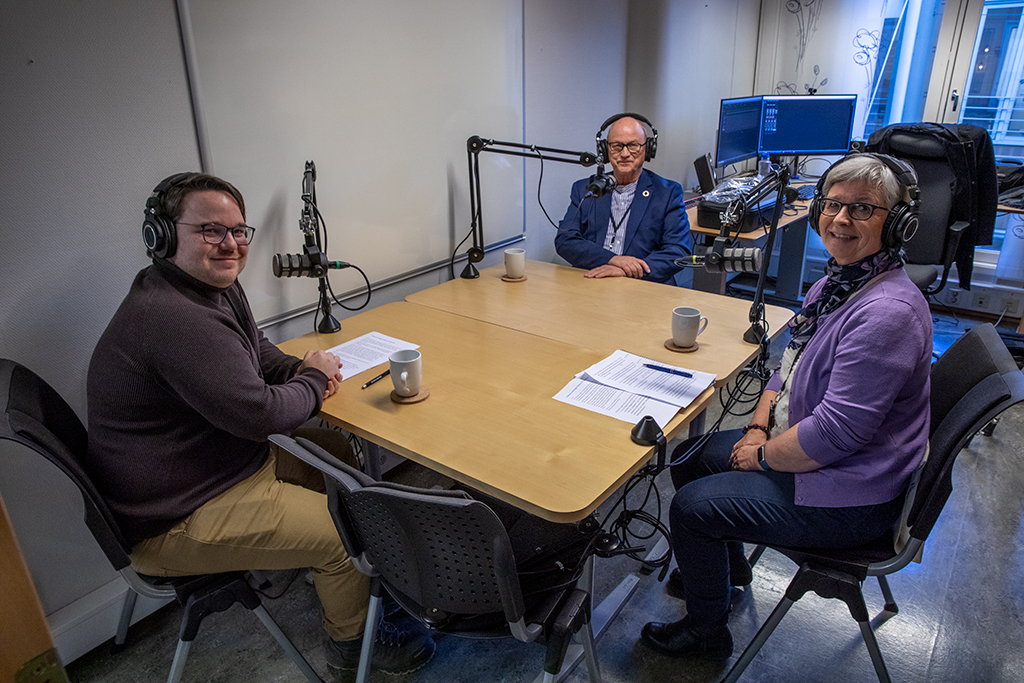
515	263
687	323
406	372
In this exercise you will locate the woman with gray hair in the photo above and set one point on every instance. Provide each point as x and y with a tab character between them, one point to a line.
841	425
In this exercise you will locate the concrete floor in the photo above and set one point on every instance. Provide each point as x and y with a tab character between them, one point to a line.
961	611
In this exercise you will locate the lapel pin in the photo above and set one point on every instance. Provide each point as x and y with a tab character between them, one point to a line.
647	193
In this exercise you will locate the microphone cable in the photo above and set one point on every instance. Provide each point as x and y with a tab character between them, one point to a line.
323	248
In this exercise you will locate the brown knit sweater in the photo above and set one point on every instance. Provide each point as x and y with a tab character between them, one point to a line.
183	391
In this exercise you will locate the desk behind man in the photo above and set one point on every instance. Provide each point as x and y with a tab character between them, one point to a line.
184	391
638	229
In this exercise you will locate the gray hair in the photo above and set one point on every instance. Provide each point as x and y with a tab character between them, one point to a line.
871	170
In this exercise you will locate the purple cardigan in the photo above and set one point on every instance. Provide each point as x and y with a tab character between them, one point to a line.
860	394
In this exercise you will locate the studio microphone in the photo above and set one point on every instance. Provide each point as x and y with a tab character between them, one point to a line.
731	260
305	265
601	184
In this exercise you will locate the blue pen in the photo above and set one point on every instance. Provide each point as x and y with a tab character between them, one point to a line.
668	370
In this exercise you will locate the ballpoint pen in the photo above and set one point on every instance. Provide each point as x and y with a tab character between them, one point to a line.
670	371
378	378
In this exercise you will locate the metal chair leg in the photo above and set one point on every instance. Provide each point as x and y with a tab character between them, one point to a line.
876	654
593	669
126	620
287	645
178	665
369	637
759	640
890	601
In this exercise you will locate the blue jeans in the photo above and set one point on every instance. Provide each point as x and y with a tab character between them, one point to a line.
714	504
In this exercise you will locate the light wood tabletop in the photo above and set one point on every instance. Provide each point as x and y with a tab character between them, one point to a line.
490	420
606	314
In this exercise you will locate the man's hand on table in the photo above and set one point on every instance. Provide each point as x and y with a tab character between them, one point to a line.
327	363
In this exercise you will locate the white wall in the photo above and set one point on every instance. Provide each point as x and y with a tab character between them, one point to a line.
94	109
685	56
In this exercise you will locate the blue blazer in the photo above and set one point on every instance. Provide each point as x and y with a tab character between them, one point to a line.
657	230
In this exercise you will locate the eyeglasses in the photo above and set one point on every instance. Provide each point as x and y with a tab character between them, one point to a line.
858	211
215	233
617	147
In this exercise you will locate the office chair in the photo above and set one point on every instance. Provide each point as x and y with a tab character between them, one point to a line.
975	380
448	560
952	194
34	415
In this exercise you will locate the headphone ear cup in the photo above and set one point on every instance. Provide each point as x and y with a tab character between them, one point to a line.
900	225
814	212
602	148
159	236
651	148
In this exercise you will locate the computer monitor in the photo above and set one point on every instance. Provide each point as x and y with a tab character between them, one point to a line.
739	123
806	124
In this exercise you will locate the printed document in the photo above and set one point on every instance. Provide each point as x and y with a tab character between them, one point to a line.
362	353
620	386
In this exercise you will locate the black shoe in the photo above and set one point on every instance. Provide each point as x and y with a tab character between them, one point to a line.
395	651
681	639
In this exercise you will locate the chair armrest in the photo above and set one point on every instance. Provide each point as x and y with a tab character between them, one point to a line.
956	231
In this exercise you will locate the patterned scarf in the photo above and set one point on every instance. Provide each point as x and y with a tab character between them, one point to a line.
843	282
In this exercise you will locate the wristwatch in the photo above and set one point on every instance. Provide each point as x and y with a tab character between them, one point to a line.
760	459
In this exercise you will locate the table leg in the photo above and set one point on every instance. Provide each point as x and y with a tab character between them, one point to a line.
372	459
696	426
789	280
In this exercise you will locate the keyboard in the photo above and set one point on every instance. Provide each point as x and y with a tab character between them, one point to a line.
806	192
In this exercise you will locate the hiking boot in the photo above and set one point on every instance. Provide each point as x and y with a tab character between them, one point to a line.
396	651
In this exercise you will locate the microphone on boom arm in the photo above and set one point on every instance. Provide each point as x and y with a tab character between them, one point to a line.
312	262
723	259
601	183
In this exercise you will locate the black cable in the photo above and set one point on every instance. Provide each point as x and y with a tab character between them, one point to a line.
287	585
540	179
320	222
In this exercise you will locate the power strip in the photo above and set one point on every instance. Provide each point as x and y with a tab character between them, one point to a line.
991	299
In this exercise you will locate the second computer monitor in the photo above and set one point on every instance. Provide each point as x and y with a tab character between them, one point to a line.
806	124
739	122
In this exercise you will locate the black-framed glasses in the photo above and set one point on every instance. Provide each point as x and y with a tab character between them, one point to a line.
858	211
215	233
617	147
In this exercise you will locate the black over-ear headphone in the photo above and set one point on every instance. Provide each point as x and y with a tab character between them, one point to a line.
901	223
650	147
158	232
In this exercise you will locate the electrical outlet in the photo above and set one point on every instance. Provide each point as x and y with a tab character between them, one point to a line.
981	300
953	296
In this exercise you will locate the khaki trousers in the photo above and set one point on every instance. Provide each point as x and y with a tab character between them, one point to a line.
275	519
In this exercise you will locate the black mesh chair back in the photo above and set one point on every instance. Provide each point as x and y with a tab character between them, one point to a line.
446	558
972	383
34	415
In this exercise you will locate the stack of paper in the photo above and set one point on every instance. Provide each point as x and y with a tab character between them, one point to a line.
621	386
362	353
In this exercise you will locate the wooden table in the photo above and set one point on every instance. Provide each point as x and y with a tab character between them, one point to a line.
490	421
606	314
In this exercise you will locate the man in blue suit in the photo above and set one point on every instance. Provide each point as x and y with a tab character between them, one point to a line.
637	230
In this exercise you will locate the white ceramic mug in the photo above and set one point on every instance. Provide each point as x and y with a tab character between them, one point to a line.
687	323
406	371
515	263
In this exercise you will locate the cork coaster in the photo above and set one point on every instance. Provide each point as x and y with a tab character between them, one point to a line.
506	278
671	346
423	394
